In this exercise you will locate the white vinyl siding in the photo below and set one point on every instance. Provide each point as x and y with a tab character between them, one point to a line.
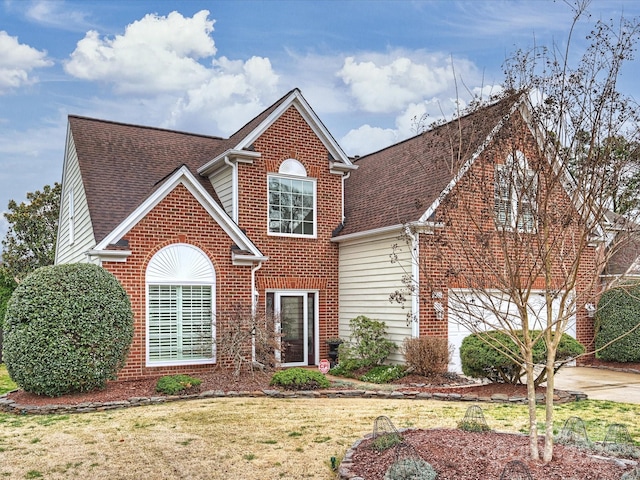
180	326
368	278
71	245
222	181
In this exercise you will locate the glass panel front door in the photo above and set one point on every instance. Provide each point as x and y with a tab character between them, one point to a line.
292	319
296	312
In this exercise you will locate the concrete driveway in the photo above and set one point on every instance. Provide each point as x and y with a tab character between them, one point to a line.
600	384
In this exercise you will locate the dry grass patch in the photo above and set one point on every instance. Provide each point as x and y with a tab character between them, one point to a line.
249	438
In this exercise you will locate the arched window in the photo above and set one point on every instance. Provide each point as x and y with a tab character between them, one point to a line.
292	201
515	194
180	281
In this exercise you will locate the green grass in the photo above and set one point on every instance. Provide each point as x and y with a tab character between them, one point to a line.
6	384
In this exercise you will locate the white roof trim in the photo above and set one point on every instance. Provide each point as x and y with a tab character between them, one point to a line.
297	100
467	165
109	255
422	226
185	177
242	156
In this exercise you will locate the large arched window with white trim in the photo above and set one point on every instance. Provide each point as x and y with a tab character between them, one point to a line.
180	281
292	201
516	193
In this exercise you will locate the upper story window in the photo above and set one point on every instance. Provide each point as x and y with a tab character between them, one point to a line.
515	194
292	201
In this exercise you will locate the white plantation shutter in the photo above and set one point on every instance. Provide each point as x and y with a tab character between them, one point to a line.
180	306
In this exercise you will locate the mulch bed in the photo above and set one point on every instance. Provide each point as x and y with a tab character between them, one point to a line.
459	455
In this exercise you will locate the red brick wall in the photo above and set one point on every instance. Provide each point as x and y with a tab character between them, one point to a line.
295	263
467	226
178	218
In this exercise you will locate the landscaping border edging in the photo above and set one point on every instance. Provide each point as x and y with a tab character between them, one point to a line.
10	406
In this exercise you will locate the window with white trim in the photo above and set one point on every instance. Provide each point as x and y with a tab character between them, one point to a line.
515	194
292	201
180	307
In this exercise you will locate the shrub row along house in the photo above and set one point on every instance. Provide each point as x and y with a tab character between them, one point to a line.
277	218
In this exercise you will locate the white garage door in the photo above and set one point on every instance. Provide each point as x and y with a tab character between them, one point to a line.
469	311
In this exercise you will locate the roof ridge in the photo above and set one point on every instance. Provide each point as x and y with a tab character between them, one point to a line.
146	127
436	125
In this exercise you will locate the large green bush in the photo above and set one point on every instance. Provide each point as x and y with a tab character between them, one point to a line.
368	345
482	356
618	313
68	328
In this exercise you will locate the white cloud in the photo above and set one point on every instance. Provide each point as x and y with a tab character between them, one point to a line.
55	14
367	139
236	92
155	54
385	83
17	60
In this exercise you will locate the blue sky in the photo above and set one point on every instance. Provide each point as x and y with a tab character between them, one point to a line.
366	67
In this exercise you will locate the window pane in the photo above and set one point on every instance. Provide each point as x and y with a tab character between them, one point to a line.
290	202
180	322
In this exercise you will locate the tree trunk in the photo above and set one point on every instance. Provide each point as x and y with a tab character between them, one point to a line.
548	426
531	401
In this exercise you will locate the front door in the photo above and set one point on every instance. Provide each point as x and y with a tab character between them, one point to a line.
296	312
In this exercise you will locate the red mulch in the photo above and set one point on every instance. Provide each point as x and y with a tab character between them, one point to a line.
458	455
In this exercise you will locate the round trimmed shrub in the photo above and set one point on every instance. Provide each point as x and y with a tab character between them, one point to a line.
619	312
482	355
68	328
299	379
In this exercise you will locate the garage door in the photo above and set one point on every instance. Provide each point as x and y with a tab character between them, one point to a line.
468	311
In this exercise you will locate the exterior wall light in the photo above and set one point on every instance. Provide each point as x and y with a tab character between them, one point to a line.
591	310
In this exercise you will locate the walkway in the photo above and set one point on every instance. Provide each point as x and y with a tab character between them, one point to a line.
600	384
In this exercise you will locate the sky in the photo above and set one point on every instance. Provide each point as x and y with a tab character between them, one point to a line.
367	68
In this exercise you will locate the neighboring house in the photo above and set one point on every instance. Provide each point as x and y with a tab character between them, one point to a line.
275	218
434	198
194	226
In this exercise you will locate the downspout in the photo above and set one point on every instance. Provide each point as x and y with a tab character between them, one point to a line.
234	196
415	279
255	295
344	178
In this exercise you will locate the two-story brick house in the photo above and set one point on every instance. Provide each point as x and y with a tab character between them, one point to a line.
275	218
193	226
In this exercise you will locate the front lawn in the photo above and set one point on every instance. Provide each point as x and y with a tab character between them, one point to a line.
6	384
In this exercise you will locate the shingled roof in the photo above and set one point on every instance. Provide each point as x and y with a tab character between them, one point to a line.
123	164
398	184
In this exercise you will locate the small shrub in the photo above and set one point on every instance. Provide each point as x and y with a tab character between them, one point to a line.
176	384
410	468
299	379
482	356
347	367
471	426
384	374
632	475
67	329
427	355
386	441
368	342
618	313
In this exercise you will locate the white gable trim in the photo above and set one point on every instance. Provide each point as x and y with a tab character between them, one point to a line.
185	177
298	101
467	165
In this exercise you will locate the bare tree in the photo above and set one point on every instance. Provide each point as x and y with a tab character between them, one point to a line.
518	243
